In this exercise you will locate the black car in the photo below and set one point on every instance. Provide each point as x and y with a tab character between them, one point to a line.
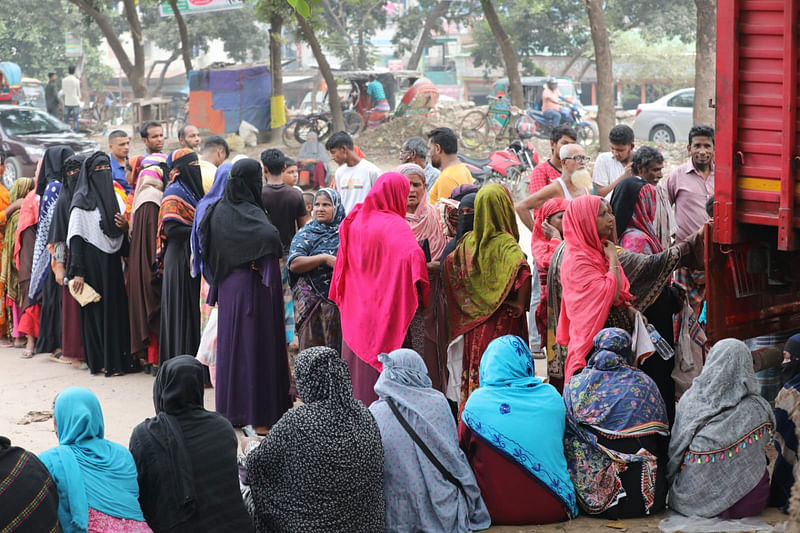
26	132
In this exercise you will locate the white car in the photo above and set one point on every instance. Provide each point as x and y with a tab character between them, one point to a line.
667	120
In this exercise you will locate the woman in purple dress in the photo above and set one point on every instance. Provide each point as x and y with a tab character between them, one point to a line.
241	248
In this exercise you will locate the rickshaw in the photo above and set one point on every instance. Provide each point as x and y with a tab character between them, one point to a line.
10	79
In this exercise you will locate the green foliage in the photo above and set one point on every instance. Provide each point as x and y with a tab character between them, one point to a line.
638	57
412	21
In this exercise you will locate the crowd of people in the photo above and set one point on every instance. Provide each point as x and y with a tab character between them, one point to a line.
418	319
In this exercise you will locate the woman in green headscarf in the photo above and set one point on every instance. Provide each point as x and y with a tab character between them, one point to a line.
487	282
9	276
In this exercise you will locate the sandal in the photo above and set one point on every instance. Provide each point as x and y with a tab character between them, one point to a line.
58	357
5	343
26	354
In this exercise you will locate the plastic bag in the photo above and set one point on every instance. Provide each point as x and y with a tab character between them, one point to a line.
688	350
207	352
455	356
642	347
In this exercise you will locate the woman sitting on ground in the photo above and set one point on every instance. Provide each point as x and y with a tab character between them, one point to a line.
787	414
418	495
186	458
96	478
512	430
617	433
717	455
320	468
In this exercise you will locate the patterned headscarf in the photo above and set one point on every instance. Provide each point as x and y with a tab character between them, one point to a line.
425	221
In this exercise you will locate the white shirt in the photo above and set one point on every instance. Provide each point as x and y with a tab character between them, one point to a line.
72	90
606	171
354	183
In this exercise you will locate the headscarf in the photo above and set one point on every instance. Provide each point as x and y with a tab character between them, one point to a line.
317	238
236	230
464	225
520	417
28	217
50	168
8	272
320	468
787	413
636	201
616	400
721	417
379	268
151	177
69	181
425	221
212	196
416	492
481	272
587	285
136	163
313	149
89	470
542	248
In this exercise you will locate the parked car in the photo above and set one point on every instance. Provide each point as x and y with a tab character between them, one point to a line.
26	132
667	120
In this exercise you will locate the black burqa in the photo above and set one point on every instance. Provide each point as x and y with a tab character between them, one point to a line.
186	458
96	248
465	223
49	339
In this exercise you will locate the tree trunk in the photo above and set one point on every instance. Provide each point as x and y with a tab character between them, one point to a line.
605	74
425	37
167	63
275	64
185	51
576	55
705	62
510	58
333	95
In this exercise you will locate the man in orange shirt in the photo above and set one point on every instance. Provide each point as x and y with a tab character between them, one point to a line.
551	102
443	148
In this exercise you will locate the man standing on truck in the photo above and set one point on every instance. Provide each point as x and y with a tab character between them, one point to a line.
72	98
51	94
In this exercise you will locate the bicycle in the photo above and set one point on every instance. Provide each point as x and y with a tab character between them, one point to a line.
296	131
500	120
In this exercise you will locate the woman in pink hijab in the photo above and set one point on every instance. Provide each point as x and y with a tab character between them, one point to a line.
591	278
379	281
427	225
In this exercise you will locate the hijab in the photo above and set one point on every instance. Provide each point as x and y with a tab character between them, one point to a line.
213	196
136	163
465	223
317	238
69	181
50	168
313	149
236	230
634	205
186	177
380	274
438	505
151	176
520	417
542	248
481	272
320	468
425	221
587	286
787	413
89	470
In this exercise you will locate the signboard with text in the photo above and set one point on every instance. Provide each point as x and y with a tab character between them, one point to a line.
189	7
73	45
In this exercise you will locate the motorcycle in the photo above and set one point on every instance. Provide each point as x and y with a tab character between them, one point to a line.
511	167
570	115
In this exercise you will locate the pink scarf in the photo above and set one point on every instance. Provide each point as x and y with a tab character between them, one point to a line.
378	269
587	285
542	248
425	221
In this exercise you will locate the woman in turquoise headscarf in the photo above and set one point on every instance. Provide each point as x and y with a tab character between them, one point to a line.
96	478
512	431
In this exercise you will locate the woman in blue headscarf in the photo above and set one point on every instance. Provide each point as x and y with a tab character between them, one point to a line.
512	430
617	433
96	478
312	256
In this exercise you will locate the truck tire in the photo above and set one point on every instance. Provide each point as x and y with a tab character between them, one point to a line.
13	171
662	134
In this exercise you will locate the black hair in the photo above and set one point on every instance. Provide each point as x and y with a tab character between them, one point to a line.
289	162
3	157
273	159
71	69
182	133
643	158
701	131
117	134
621	134
340	139
143	131
710	206
446	139
51	74
561	131
216	141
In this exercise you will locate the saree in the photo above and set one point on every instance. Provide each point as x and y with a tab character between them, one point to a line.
9	275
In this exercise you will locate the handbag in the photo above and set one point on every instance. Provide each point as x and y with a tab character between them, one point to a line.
422	446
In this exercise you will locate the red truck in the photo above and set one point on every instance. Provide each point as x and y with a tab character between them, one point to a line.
753	257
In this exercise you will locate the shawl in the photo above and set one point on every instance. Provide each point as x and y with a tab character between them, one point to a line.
542	248
520	417
380	271
69	180
418	498
787	413
466	221
587	285
29	496
637	201
89	470
721	423
8	272
28	217
150	182
212	196
614	399
317	238
482	269
180	197
320	468
135	163
425	221
236	230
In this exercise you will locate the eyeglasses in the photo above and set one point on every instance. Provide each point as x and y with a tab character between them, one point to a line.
578	158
